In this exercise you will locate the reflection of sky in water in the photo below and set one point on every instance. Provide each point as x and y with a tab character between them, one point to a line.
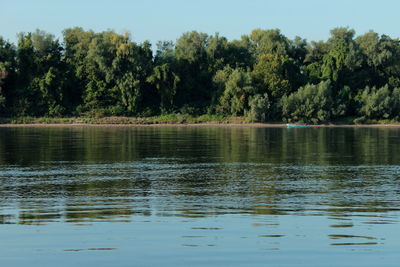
166	208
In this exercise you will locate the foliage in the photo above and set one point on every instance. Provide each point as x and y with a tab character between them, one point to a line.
42	77
342	58
238	89
275	74
165	80
192	54
7	73
269	42
310	104
264	75
259	108
379	103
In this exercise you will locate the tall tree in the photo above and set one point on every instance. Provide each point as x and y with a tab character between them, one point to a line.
195	87
269	42
381	59
343	58
276	75
238	89
313	61
41	78
165	80
7	75
111	68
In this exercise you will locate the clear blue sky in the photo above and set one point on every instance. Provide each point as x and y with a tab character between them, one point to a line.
155	20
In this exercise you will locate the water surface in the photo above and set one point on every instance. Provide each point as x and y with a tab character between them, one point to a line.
145	196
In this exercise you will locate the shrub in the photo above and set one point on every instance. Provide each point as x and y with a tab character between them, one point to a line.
238	88
311	103
259	108
379	103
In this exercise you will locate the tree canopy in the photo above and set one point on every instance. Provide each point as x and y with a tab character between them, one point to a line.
264	75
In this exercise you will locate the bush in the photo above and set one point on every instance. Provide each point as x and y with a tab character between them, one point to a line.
259	108
311	104
396	104
379	103
189	110
238	88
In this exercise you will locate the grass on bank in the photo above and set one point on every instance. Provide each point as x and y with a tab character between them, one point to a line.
173	118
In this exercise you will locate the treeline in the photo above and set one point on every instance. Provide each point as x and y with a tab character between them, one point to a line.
264	76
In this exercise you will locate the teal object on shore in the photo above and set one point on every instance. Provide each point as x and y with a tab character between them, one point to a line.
289	125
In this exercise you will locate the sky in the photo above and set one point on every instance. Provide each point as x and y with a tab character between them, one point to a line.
156	20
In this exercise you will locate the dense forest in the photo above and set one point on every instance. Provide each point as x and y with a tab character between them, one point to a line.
264	76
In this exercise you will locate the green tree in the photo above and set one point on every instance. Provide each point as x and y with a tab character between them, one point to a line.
275	74
76	45
110	68
195	87
379	103
261	75
343	58
165	80
381	59
238	89
311	104
313	61
42	80
298	49
260	108
269	42
7	75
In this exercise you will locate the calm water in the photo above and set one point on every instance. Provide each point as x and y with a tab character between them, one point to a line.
187	196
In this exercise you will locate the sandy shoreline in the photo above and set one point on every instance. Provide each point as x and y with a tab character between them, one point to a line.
205	124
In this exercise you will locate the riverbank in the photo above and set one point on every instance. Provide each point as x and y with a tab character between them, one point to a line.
167	120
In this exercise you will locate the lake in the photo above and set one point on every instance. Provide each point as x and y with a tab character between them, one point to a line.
195	196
